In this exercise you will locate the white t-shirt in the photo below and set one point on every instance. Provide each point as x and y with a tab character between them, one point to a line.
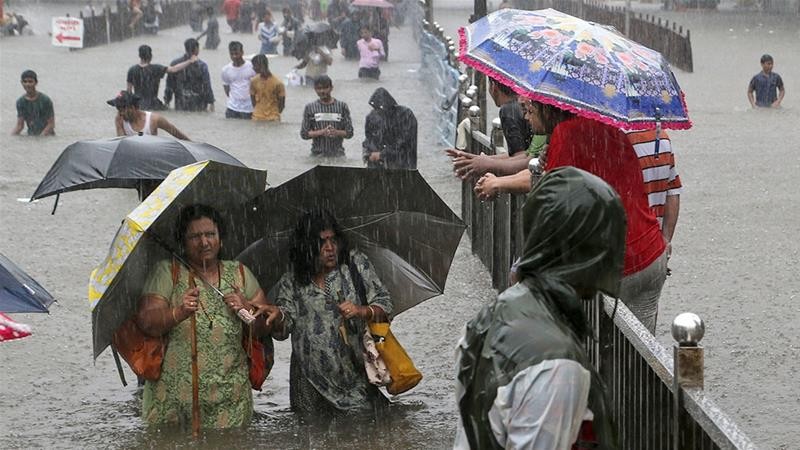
238	80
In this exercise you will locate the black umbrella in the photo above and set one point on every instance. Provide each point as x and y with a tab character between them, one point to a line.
19	292
124	162
393	216
313	33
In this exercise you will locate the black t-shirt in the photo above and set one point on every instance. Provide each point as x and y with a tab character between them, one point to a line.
145	81
516	129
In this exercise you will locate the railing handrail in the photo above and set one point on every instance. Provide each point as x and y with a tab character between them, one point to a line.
718	425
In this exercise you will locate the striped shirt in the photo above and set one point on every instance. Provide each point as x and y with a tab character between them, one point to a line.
659	174
317	116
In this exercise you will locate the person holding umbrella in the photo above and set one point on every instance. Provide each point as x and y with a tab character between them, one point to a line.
131	121
174	293
563	66
604	151
316	60
321	310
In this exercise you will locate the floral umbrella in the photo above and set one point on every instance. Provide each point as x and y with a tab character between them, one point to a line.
579	66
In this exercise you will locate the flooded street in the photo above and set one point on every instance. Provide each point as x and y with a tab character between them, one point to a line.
735	256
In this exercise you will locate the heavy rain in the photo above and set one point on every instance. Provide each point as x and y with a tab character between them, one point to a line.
733	261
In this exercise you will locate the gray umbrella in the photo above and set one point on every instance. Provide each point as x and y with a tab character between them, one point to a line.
393	216
123	162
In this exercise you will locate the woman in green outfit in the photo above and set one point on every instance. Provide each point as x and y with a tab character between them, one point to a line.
173	294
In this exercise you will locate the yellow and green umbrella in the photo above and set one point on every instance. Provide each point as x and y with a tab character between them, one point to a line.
115	285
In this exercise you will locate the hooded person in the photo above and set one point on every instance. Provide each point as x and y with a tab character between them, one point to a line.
390	134
523	378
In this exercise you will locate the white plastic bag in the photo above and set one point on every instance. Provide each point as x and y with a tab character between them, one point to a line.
293	78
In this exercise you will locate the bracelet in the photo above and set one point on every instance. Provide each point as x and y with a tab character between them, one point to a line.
280	310
371	313
173	316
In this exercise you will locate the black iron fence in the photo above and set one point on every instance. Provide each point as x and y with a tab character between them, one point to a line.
106	26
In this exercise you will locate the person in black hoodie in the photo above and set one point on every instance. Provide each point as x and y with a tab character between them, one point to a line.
391	134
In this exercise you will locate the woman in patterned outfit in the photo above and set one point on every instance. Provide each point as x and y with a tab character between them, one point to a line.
326	318
170	296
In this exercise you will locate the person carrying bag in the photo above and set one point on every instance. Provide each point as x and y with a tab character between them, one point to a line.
402	374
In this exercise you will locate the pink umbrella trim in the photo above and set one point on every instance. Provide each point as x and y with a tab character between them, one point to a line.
492	73
10	329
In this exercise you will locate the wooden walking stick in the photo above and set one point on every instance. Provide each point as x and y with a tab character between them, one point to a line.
195	382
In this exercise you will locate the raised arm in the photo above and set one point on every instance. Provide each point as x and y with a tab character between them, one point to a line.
166	125
156	317
175	68
490	186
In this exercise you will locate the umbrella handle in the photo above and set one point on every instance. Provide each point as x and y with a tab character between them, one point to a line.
195	381
55	205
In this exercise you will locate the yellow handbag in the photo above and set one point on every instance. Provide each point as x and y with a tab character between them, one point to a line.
404	375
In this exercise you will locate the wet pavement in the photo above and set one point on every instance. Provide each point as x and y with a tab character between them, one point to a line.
734	263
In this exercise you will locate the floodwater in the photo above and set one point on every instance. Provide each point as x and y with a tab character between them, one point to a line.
734	263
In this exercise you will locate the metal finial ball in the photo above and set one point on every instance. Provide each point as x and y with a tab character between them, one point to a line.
688	329
496	123
462	78
466	103
474	111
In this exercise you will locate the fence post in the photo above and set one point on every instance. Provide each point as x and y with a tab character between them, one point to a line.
687	330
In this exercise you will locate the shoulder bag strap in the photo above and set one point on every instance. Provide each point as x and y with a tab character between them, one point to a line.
358	283
176	272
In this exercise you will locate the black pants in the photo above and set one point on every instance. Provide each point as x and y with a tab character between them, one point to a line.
231	114
364	72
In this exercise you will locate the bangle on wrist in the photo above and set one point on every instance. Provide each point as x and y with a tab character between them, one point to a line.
282	315
174	317
371	313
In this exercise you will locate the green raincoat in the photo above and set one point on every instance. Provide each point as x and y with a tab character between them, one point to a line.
575	239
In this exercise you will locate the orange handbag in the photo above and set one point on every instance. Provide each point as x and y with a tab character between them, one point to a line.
143	353
260	351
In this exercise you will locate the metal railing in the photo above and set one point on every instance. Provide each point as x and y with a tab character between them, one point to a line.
106	26
439	69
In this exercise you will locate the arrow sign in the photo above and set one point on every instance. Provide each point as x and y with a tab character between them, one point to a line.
61	38
67	32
